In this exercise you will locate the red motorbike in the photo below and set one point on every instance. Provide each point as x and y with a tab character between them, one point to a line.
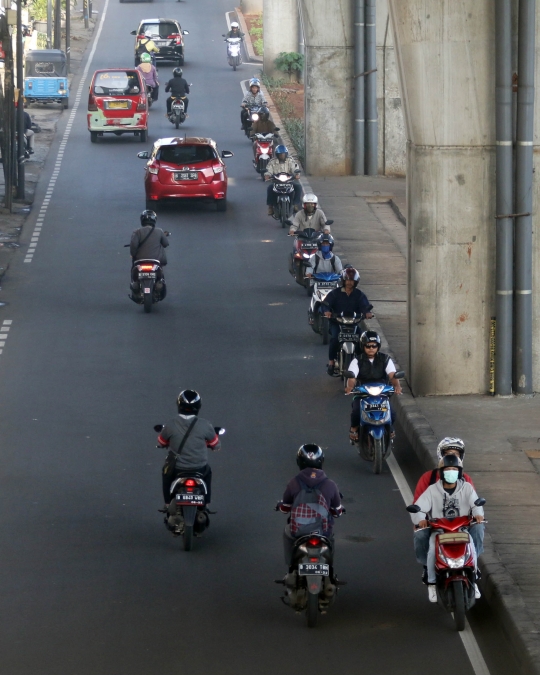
263	150
305	245
454	563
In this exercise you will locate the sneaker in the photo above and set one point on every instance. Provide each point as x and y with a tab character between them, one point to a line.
330	369
478	575
424	576
270	210
477	593
432	592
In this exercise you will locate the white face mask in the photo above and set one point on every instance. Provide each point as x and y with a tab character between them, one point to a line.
450	475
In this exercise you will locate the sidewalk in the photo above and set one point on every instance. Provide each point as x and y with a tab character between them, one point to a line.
502	435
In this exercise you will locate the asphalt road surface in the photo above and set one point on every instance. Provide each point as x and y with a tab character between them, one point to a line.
92	583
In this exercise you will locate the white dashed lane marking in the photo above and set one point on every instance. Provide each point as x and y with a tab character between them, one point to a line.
4	332
43	210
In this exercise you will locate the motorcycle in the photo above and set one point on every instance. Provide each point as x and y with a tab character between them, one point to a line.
177	116
374	443
305	245
349	339
323	283
284	189
234	51
263	149
147	283
188	515
454	563
252	116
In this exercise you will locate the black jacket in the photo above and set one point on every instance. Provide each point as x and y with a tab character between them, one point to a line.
177	86
356	303
372	372
153	247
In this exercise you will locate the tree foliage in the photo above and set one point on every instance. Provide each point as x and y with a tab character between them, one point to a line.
291	63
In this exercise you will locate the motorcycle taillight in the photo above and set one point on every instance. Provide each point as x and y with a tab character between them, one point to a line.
314	541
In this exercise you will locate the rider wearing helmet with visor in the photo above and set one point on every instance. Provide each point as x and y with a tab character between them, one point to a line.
282	163
310	216
324	261
252	99
149	73
179	88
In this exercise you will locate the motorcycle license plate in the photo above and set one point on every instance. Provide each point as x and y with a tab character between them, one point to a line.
318	569
186	175
148	275
349	337
190	500
379	407
325	284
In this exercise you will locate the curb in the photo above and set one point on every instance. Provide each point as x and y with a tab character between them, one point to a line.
247	37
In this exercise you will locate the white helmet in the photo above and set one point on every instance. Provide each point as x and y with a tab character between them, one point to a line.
450	443
310	198
234	24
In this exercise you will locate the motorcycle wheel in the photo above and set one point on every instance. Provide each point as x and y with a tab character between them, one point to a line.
234	66
378	454
347	358
324	324
312	610
188	537
176	122
458	589
148	300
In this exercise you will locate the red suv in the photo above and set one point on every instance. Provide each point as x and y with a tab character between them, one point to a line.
185	168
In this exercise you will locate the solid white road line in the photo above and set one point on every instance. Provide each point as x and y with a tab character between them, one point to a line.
52	182
467	636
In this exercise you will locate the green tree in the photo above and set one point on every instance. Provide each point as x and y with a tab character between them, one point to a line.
291	63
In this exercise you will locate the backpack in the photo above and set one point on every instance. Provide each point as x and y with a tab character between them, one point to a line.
141	49
309	512
317	260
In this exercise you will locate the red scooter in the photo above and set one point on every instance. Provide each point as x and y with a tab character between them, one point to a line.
263	150
454	563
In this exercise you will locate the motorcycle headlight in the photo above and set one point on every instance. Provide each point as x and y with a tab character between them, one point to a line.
374	391
255	117
454	563
282	178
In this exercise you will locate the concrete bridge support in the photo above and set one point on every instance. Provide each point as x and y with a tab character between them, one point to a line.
446	62
251	6
280	32
329	85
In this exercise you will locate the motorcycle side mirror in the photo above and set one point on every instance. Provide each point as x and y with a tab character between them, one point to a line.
219	431
158	427
133	32
185	32
480	501
143	155
413	508
399	375
227	153
167	234
329	222
276	128
223	35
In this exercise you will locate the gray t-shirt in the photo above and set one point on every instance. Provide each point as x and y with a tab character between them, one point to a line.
195	451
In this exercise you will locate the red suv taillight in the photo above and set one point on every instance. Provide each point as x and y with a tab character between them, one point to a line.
92	105
141	105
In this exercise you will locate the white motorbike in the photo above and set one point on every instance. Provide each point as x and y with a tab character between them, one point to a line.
234	51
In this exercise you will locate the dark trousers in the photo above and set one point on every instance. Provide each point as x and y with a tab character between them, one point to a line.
271	195
169	104
155	92
244	114
169	478
333	344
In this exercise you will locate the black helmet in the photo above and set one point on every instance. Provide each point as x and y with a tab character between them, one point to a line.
351	274
264	111
325	238
369	336
177	72
451	461
148	218
189	402
310	455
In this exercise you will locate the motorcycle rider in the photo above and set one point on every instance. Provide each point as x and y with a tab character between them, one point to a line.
324	261
309	216
194	455
348	300
147	46
282	163
178	87
253	98
235	31
149	73
448	446
371	365
310	459
148	242
449	497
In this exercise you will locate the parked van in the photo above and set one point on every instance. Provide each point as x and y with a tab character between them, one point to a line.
117	104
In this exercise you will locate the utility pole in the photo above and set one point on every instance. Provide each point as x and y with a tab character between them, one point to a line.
85	13
68	34
49	24
57	41
7	115
20	107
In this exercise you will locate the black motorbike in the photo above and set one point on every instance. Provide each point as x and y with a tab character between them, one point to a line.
305	245
188	514
177	116
349	341
252	116
284	191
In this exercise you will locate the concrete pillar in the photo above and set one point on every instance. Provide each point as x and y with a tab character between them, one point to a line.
280	32
392	138
446	61
329	86
536	221
251	6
